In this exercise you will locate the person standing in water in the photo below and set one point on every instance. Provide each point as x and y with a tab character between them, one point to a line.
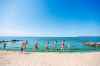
54	44
46	45
62	45
36	45
5	44
23	45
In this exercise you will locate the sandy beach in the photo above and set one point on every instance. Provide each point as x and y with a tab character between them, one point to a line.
11	58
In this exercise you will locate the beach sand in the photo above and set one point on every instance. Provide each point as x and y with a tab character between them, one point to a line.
11	58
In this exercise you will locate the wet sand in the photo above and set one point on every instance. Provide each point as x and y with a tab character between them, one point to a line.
12	58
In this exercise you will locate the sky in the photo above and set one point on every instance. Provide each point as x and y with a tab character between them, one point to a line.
58	18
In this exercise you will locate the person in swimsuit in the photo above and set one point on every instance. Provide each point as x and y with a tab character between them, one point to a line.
36	45
46	45
24	45
62	45
5	45
53	44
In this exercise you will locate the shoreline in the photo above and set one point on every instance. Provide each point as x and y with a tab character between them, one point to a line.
12	58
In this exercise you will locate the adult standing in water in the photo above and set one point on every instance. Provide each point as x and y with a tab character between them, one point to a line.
46	45
24	45
5	44
62	44
54	44
36	45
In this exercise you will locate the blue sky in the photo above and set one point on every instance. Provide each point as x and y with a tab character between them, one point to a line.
50	17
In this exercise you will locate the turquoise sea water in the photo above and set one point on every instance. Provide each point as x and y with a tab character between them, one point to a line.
72	44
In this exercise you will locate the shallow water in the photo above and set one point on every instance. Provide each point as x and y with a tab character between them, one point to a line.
72	44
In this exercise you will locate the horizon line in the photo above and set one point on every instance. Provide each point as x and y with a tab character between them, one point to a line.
42	36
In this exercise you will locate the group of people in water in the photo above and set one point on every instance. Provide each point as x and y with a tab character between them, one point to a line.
24	44
36	45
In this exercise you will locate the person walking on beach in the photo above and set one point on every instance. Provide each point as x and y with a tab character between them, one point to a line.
23	45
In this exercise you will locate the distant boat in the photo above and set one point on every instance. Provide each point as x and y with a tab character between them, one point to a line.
92	44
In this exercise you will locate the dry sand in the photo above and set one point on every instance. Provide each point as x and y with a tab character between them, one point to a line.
11	58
